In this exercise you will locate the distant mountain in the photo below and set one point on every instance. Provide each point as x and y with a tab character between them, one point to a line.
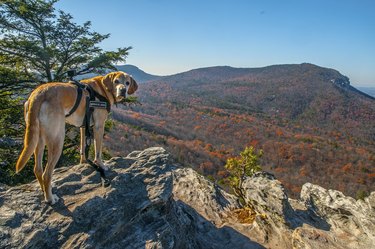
139	75
310	122
368	90
288	91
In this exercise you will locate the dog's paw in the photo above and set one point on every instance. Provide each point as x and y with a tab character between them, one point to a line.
101	165
53	200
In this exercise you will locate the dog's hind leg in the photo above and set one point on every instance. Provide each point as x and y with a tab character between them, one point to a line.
54	151
55	142
98	142
83	145
38	168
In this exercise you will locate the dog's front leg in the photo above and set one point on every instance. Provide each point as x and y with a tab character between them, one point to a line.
83	145
98	142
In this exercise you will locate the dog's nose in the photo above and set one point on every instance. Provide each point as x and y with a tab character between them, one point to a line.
123	92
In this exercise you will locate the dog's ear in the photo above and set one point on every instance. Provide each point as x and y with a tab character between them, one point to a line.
133	86
107	81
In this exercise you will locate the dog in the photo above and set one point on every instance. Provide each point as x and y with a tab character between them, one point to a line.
48	109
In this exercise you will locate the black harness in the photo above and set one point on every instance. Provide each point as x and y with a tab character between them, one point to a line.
93	100
103	102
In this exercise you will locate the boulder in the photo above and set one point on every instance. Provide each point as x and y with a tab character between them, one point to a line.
144	207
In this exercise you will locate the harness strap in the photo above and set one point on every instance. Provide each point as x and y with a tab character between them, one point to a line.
88	134
94	94
78	101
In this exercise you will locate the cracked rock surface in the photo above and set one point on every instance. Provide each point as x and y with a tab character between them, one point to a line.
152	203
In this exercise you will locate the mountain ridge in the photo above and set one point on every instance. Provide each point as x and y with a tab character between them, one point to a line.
141	76
229	71
138	74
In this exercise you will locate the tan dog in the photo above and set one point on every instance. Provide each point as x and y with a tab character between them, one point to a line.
45	113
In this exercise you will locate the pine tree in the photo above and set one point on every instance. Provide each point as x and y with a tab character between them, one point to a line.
46	43
244	166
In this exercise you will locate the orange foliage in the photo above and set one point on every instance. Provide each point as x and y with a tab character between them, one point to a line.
296	189
346	168
280	170
208	147
223	173
207	167
136	115
197	127
162	123
303	172
254	142
361	151
279	132
223	126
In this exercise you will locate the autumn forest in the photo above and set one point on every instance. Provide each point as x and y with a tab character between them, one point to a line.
312	125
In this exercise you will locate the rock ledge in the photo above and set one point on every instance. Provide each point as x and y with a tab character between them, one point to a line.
152	203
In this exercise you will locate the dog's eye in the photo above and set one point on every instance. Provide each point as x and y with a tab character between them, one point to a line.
117	81
127	83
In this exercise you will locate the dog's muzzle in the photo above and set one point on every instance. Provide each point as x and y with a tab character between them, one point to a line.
123	92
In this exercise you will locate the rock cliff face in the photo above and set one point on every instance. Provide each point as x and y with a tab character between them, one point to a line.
153	203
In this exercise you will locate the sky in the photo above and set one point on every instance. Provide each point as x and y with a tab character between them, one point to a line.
172	36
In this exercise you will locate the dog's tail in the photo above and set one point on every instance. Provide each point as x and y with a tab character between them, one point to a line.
32	107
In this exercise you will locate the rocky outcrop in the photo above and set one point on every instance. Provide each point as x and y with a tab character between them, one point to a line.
351	222
152	203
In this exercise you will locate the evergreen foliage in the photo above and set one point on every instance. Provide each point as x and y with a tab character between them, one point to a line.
244	166
46	42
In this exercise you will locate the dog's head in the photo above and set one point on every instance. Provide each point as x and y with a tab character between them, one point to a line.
119	84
